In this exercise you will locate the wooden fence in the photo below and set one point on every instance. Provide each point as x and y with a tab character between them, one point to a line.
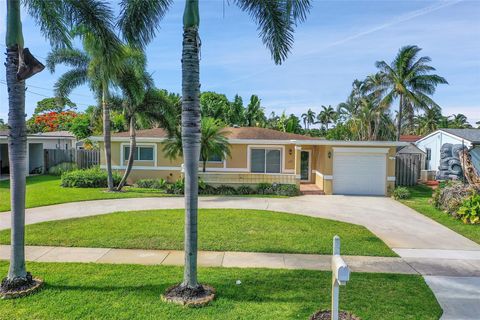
407	169
83	158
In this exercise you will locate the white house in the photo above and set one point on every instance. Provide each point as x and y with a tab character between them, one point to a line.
432	143
37	143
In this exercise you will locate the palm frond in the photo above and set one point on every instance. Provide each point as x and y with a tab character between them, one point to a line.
276	21
139	19
69	81
74	58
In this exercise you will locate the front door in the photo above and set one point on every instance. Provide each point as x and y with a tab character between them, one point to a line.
305	166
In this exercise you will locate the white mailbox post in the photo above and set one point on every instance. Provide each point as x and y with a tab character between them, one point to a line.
340	275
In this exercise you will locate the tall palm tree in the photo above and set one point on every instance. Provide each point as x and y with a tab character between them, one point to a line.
97	69
276	21
254	114
20	65
459	121
410	80
214	142
308	118
326	116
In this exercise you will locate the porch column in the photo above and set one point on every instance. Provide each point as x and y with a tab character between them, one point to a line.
298	151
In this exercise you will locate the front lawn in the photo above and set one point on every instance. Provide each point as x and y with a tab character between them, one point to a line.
45	190
219	230
93	291
420	201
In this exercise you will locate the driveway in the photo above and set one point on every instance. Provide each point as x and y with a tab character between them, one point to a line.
396	224
447	260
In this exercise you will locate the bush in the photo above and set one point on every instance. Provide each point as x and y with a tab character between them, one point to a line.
226	190
207	189
151	184
59	169
469	212
450	196
265	188
245	190
177	187
289	190
88	178
401	193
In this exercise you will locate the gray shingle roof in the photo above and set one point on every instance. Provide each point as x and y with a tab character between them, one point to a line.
472	135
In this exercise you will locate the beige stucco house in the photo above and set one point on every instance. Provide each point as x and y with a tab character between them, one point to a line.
265	155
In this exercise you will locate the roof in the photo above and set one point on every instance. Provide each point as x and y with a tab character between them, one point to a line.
233	133
410	138
410	148
53	134
472	135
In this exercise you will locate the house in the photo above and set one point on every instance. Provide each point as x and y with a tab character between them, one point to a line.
411	138
36	143
433	142
265	155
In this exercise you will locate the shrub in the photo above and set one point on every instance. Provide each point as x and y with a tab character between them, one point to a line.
177	187
401	193
450	196
289	190
59	169
226	190
265	188
208	190
244	190
151	183
88	178
469	212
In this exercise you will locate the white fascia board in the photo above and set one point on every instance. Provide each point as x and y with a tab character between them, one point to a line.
445	133
360	150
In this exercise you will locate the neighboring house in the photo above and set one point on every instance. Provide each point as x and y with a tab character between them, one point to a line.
432	143
37	143
410	138
265	155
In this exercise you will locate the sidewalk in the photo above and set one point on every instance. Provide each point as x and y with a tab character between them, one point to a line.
209	259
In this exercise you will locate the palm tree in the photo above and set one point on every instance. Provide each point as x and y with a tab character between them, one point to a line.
429	121
97	69
254	114
459	121
276	20
410	80
326	116
20	64
308	118
214	142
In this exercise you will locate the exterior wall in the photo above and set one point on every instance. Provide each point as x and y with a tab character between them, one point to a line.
55	143
435	142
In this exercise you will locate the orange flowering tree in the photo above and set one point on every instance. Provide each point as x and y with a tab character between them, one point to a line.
52	121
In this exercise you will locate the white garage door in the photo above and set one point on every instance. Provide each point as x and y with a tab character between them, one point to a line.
359	173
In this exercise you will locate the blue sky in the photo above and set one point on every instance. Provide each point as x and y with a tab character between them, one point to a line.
340	42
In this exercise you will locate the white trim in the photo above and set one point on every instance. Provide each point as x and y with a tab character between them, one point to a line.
360	150
145	168
271	142
298	148
325	177
154	145
451	135
309	165
247	173
391	179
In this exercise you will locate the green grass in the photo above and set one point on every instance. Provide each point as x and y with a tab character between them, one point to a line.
219	230
92	291
45	190
420	201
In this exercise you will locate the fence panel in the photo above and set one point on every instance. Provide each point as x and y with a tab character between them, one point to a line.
407	169
83	158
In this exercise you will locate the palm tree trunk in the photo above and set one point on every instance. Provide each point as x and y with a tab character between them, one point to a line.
131	156
107	136
191	135
204	166
399	120
17	152
17	143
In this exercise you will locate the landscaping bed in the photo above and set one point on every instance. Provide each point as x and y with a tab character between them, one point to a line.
219	230
95	291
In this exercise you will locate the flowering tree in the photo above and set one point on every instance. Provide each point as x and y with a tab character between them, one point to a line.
52	121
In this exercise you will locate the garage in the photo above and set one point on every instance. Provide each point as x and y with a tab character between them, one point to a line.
359	171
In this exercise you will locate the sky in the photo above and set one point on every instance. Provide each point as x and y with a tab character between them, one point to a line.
339	42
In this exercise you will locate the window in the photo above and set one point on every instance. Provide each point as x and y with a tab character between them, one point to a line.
429	153
213	158
265	161
141	153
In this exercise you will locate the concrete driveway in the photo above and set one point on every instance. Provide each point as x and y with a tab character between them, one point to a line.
397	225
448	260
